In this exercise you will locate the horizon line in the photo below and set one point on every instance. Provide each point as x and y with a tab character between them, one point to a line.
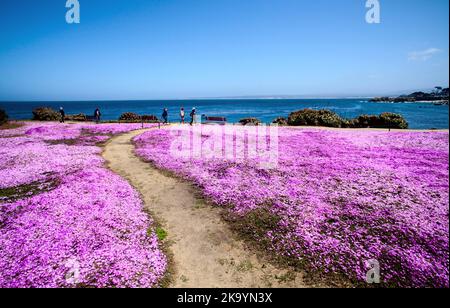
240	97
191	98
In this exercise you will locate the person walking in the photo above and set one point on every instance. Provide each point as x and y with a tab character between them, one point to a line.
193	113
63	115
97	115
182	115
165	116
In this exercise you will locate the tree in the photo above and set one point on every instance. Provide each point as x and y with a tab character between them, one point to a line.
438	90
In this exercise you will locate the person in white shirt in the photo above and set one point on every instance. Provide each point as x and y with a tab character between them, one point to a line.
182	115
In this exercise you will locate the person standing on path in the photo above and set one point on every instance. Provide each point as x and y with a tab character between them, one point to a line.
182	115
97	115
165	116
193	112
63	115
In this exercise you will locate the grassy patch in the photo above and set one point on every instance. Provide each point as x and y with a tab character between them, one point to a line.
64	142
161	234
253	227
244	266
199	204
12	194
83	139
287	277
169	276
222	262
11	136
255	224
10	125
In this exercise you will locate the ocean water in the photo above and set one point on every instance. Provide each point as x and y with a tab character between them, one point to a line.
419	115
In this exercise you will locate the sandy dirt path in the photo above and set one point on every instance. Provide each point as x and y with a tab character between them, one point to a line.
205	252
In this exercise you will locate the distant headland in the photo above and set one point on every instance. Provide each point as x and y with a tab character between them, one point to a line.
438	96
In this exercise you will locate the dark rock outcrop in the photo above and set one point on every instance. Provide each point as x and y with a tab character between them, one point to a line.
46	114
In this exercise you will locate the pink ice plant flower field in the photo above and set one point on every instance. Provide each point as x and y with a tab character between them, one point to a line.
342	198
84	226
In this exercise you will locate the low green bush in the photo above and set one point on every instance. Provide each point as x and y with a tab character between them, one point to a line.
280	121
130	116
365	121
385	120
150	118
327	118
250	121
393	120
310	117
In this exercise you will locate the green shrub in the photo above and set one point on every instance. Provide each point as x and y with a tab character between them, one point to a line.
12	194
3	117
149	118
280	121
327	118
310	117
393	120
385	120
250	121
161	234
352	123
130	116
366	121
46	114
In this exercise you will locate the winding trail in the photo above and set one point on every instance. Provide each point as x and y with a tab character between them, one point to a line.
205	251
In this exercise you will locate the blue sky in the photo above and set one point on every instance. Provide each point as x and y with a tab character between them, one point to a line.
156	49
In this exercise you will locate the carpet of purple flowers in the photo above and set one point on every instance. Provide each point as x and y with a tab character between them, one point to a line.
66	220
341	198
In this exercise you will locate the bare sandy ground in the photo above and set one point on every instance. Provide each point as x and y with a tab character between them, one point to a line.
205	252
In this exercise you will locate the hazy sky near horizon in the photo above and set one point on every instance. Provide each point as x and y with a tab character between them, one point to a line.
155	49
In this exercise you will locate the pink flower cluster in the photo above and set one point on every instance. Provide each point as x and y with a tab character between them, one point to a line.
342	198
87	227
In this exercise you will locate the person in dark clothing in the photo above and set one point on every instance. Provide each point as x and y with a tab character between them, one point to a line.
63	114
97	115
193	112
165	116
